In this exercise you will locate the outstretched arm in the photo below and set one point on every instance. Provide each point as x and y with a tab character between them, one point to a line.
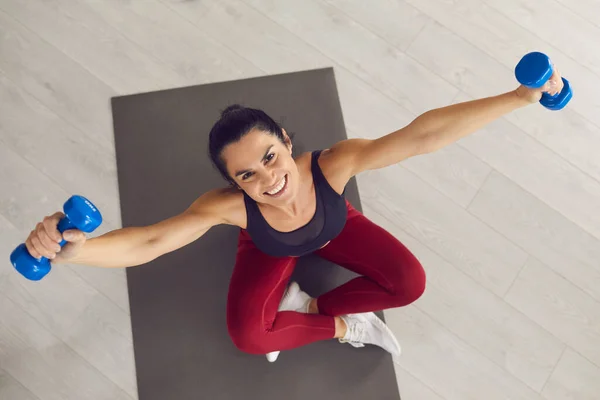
435	129
130	246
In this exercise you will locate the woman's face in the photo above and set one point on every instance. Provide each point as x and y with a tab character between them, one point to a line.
263	167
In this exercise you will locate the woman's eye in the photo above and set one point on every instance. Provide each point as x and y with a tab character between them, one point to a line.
246	175
270	157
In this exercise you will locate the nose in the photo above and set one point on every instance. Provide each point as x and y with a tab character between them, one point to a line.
270	177
270	183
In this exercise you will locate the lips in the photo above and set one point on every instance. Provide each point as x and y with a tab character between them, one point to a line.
279	189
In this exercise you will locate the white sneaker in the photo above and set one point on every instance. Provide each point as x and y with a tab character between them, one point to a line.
272	356
367	328
293	299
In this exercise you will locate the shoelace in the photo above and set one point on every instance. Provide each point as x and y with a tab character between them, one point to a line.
356	334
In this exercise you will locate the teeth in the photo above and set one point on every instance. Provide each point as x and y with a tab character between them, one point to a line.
279	187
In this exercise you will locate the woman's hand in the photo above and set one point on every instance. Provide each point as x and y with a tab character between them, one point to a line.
553	86
44	240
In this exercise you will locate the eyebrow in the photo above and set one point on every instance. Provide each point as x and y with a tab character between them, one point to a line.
238	173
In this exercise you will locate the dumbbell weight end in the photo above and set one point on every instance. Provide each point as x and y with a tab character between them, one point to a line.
559	100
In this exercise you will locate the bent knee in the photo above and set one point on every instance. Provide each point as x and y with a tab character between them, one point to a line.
245	343
409	283
250	342
416	288
247	335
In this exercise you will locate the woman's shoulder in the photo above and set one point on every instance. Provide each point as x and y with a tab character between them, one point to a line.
226	203
334	169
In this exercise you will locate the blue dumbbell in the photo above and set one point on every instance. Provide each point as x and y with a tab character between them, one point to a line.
80	214
533	71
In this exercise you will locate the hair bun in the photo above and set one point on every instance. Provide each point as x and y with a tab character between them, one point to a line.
231	108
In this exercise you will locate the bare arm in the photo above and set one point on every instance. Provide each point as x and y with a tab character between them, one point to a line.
131	246
443	126
433	130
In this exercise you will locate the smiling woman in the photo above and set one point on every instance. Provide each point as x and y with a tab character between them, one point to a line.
296	206
286	207
260	163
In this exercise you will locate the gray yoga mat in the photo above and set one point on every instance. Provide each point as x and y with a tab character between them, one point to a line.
178	301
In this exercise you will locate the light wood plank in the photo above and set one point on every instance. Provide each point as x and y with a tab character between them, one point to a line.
460	63
565	132
11	389
85	38
540	171
541	231
412	388
360	51
395	21
187	50
448	365
57	81
478	317
587	9
45	365
104	326
112	282
506	41
452	170
9	239
270	47
59	150
442	226
56	301
576	37
28	195
558	306
574	378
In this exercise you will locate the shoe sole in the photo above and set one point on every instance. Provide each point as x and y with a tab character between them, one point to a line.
272	356
374	318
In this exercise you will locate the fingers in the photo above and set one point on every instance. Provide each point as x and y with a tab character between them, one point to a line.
30	246
47	242
51	227
40	249
555	84
74	236
44	240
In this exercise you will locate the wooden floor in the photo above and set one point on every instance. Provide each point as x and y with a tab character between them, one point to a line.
506	221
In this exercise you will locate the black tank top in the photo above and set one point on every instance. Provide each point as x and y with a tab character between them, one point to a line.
327	222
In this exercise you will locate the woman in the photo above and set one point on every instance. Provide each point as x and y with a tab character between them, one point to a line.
286	207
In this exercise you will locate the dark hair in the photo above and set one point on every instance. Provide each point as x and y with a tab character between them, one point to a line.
236	121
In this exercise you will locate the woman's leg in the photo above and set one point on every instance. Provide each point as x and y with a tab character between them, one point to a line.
391	275
255	291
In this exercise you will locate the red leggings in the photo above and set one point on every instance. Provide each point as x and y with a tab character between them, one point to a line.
391	277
